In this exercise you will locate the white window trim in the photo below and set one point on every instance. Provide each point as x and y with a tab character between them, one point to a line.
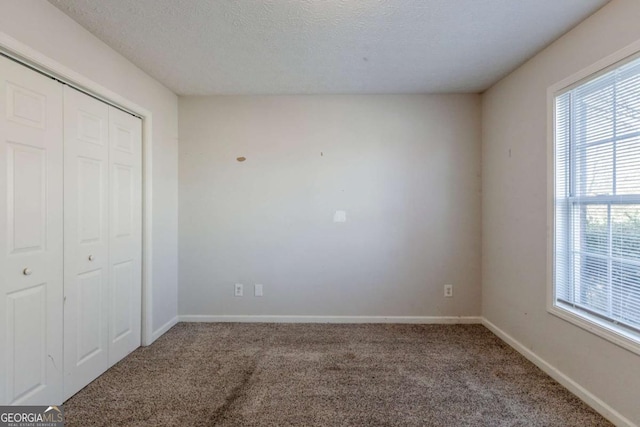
593	324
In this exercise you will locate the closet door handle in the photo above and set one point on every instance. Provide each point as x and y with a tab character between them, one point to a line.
26	271
90	257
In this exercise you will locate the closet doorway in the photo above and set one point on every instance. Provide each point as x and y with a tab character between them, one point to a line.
71	234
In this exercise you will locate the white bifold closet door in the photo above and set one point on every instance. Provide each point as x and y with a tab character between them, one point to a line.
86	235
31	237
125	233
102	253
70	237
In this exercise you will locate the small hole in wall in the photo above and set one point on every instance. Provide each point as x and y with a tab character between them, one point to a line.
241	159
321	154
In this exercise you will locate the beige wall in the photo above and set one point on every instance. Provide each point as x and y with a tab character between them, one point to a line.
515	211
44	28
404	168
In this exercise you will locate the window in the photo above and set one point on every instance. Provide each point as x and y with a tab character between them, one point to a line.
596	241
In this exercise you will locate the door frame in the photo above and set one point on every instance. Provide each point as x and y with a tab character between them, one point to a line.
29	56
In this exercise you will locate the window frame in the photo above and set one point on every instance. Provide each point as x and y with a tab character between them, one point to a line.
627	339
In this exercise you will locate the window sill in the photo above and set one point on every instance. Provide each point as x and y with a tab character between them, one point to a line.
621	337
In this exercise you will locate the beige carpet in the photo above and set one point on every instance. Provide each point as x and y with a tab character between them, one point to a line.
327	375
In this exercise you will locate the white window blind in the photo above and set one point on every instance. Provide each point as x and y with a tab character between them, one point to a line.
597	198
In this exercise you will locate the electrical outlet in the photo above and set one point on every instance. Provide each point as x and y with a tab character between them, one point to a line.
237	290
448	291
257	290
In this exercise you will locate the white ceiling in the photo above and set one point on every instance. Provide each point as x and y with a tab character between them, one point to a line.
200	47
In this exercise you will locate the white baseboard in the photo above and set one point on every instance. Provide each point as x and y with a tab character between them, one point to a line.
164	328
334	319
598	405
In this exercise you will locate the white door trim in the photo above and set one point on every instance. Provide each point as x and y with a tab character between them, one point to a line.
37	60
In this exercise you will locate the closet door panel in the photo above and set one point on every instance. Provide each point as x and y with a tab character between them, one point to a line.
31	276
86	265
26	169
125	135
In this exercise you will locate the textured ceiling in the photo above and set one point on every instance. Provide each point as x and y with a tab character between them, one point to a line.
199	47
